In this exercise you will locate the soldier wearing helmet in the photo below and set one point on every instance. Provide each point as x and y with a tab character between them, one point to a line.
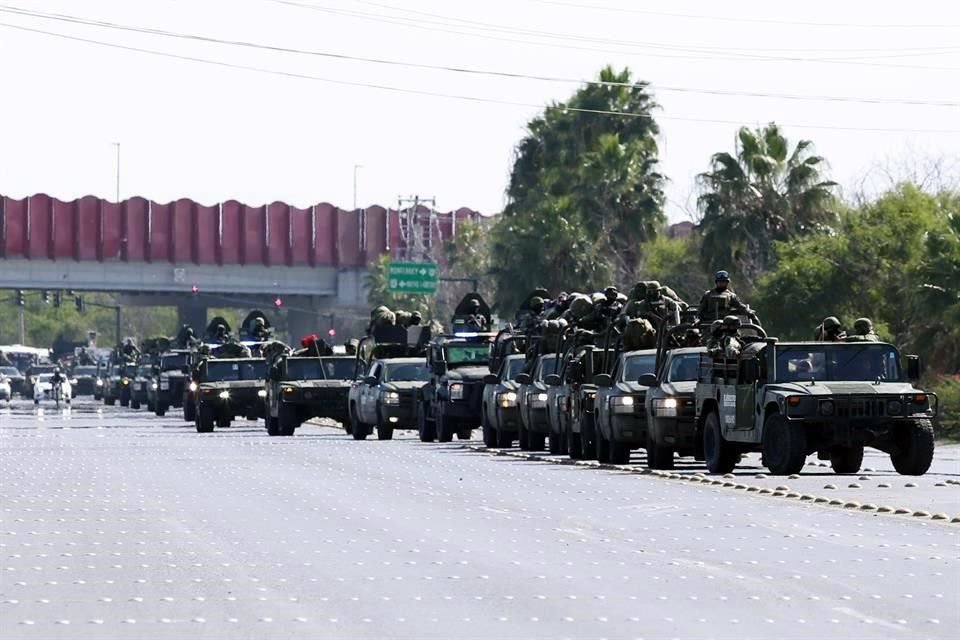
862	331
721	300
830	330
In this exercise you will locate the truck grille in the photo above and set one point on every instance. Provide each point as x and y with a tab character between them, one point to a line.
860	407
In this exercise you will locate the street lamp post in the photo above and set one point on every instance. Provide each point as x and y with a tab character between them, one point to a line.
355	167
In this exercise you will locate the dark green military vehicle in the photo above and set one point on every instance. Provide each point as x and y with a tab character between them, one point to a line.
169	380
228	388
619	412
300	388
789	400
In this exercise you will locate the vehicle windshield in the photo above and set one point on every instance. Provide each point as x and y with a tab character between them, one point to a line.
174	362
514	366
85	371
407	372
684	368
636	366
37	369
9	371
477	354
145	371
129	371
548	365
320	368
861	362
228	370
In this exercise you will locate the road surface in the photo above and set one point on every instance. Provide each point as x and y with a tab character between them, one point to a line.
117	524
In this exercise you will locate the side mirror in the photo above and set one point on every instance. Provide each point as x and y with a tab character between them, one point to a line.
552	380
523	378
751	371
648	380
491	379
603	380
370	380
914	368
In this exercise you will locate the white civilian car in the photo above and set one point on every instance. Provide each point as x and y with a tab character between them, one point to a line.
6	393
43	389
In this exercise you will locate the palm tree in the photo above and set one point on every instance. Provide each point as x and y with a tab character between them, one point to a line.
762	194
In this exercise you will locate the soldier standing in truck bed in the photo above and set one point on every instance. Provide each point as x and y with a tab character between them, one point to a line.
720	301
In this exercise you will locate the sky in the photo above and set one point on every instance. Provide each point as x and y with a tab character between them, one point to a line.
875	85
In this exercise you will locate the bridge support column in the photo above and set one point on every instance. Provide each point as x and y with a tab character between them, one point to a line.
193	313
303	320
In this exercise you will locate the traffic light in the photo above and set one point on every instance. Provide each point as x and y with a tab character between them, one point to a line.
21	301
194	289
278	302
332	332
80	304
57	299
46	297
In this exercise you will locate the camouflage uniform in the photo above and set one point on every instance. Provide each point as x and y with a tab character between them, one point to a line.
830	330
862	331
718	302
654	302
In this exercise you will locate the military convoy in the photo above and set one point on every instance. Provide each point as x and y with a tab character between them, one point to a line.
595	376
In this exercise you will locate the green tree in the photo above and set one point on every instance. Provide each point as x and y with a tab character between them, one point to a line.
584	193
939	274
675	262
761	194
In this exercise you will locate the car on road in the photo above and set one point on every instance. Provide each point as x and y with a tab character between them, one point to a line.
385	397
500	417
84	380
45	389
6	393
118	383
170	377
300	388
618	408
788	400
671	408
450	402
532	402
140	387
575	392
14	378
228	388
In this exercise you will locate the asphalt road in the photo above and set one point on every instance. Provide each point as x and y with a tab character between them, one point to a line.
116	524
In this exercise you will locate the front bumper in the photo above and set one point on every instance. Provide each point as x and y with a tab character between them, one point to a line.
508	418
537	421
630	428
245	403
319	403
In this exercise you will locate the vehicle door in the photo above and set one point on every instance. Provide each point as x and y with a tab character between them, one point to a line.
368	394
746	395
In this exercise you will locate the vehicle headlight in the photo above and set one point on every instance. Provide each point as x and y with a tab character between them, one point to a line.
154	385
262	393
456	391
289	390
125	382
622	404
827	408
99	382
193	386
224	395
507	399
665	407
73	381
919	403
390	397
894	408
538	400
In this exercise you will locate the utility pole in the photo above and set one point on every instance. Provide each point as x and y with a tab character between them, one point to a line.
23	326
355	167
117	145
417	236
116	311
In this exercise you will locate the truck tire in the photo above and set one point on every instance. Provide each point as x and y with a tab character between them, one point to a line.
160	410
720	455
523	438
505	438
384	431
659	457
784	445
536	441
189	410
425	428
134	403
573	445
444	430
125	397
588	446
287	421
489	433
205	419
555	448
846	459
273	426
357	429
465	434
602	447
619	452
914	451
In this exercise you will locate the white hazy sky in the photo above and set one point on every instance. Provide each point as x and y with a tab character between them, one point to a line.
191	129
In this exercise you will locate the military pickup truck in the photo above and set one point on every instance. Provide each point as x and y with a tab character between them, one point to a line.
450	402
170	378
228	388
300	388
385	397
500	417
118	383
620	417
671	408
792	399
573	390
532	402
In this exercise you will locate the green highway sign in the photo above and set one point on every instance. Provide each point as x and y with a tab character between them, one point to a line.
412	277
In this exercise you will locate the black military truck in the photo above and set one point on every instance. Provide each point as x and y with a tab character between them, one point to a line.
303	387
792	399
170	377
118	383
385	397
500	417
450	402
228	388
532	402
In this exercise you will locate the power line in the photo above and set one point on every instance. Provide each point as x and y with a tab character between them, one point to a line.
687	16
462	70
705	53
434	94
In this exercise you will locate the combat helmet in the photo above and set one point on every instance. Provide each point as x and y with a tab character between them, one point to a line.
731	323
